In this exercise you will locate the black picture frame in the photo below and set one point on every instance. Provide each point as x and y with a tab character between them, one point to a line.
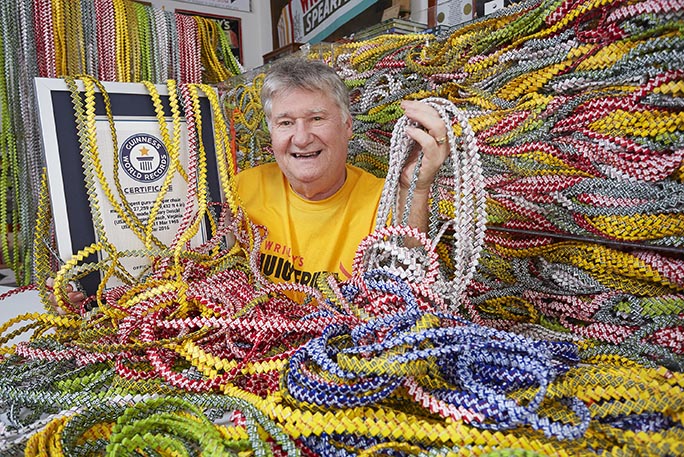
74	229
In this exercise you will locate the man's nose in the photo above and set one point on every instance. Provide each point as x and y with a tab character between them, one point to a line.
302	133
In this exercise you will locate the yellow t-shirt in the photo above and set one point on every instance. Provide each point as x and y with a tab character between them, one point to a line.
306	238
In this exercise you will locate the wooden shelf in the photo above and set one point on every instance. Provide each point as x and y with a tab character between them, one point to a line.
281	52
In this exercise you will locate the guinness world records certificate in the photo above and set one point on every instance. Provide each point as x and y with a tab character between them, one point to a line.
136	169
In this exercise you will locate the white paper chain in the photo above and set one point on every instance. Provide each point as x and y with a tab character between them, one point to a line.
463	172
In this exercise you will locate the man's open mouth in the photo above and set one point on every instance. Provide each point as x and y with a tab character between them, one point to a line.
306	155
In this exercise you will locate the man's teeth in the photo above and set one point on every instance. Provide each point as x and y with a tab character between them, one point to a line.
308	154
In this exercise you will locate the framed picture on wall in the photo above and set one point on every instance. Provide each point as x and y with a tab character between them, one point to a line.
238	5
231	26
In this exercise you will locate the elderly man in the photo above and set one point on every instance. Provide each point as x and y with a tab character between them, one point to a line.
315	206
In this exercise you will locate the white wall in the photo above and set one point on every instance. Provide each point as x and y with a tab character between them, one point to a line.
256	26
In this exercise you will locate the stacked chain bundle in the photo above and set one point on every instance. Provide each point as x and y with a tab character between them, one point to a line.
200	358
576	110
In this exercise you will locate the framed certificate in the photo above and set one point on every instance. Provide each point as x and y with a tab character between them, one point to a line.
135	168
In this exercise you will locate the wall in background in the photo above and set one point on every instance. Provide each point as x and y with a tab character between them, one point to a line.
255	26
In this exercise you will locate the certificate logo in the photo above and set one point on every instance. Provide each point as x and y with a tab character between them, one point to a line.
144	157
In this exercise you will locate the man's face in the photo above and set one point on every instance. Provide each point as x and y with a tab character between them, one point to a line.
309	136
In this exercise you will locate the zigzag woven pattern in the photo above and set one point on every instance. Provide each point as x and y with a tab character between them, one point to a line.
566	341
576	109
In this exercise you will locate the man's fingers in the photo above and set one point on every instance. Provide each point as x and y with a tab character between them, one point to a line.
75	297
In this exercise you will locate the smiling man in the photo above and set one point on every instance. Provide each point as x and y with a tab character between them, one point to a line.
316	207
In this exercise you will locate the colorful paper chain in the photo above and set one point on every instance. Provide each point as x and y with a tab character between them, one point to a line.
559	347
110	40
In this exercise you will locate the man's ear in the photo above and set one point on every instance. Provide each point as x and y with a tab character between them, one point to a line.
348	125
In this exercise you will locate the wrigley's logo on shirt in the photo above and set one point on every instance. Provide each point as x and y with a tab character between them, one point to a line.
283	250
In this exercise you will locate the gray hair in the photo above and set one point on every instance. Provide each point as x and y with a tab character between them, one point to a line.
300	73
